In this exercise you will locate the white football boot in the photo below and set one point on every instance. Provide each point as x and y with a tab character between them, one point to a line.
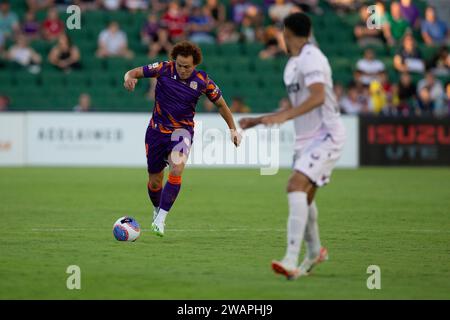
308	264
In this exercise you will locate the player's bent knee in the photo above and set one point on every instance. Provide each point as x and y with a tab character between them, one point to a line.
176	171
298	182
155	181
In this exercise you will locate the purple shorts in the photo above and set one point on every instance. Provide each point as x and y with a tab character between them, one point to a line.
159	145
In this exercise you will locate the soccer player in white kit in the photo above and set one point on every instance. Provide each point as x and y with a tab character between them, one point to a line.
320	137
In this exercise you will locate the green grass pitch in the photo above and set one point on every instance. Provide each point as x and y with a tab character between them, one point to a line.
221	235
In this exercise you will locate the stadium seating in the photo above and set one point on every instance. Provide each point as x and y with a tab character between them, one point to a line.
236	68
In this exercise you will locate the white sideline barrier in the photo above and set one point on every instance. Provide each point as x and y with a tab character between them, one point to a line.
117	139
12	140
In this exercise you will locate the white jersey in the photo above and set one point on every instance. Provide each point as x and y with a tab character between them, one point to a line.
311	66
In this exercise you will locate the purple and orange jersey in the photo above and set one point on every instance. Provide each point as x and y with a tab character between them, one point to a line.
176	99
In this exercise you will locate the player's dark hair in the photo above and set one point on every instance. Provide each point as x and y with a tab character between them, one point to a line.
299	23
186	49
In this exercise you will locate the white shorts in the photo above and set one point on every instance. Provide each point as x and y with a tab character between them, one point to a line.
317	158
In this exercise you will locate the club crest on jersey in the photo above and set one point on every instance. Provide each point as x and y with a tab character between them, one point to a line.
193	85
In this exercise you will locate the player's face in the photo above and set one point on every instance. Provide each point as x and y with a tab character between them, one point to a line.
288	39
185	66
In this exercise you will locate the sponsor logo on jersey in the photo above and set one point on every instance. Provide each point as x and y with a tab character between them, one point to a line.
292	88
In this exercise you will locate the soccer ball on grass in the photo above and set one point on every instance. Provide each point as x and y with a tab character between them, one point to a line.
126	229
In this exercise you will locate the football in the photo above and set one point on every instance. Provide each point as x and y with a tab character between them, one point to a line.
126	229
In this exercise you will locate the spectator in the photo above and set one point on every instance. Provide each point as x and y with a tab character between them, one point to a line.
369	67
239	10
22	54
431	94
84	103
201	26
280	10
175	20
226	33
64	55
396	26
113	42
440	63
351	103
37	5
162	45
342	6
158	6
30	26
149	32
364	35
390	90
9	23
378	99
111	5
155	37
217	11
410	13
434	31
87	4
52	27
4	103
406	94
409	58
247	30
271	46
136	5
238	105
310	6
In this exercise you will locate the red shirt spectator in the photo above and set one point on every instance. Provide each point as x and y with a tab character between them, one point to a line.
52	26
175	21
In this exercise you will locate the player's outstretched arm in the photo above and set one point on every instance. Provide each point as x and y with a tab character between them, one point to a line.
249	122
226	114
316	98
131	78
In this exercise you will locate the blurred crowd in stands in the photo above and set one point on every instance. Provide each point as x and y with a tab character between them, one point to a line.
401	27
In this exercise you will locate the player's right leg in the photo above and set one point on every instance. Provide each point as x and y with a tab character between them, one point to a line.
154	189
155	147
299	186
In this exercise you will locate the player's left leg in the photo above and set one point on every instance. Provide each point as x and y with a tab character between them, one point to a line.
178	151
315	253
177	162
312	237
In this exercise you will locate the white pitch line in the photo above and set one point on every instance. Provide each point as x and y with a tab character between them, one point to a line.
219	230
147	230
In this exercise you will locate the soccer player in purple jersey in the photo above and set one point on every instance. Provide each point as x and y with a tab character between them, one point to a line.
170	132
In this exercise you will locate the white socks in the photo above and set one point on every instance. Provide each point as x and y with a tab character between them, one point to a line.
298	217
312	238
161	217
